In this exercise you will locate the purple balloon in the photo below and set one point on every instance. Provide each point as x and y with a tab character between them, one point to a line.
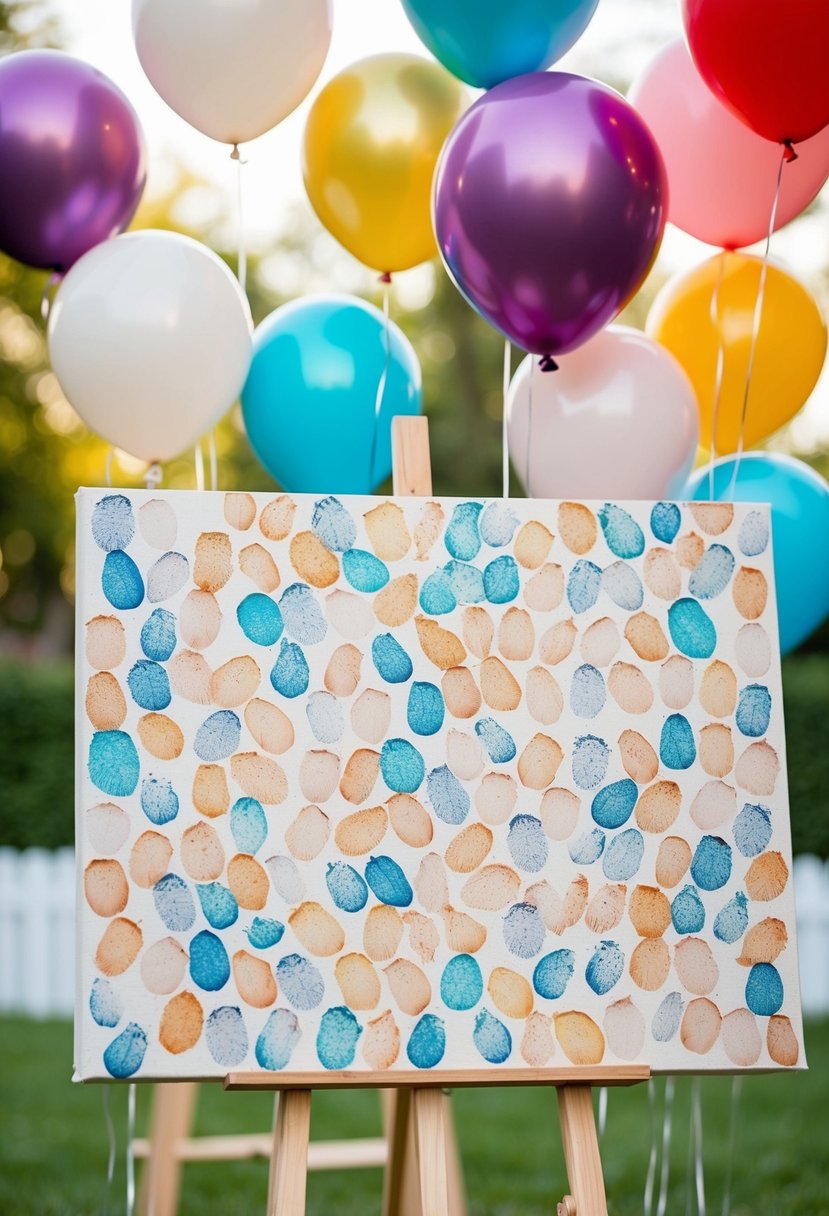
72	158
550	200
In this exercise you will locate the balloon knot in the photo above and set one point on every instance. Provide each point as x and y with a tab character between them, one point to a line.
789	153
235	154
153	475
385	277
547	363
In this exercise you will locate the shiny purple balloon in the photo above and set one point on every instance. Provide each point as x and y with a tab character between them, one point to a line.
72	158
550	199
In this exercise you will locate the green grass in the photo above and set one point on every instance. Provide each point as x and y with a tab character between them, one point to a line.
53	1144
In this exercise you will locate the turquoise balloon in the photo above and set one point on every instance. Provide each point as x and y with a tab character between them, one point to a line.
487	41
309	399
799	500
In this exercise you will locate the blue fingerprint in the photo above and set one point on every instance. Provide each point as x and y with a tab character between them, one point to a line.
302	615
113	763
290	675
712	574
754	534
666	1020
621	531
624	586
587	691
461	537
226	1036
587	848
461	985
523	930
691	628
591	757
753	711
333	525
159	801
687	911
299	981
167	576
583	585
149	685
764	990
553	973
731	921
466	582
401	765
325	716
388	882
614	804
492	1038
260	619
677	748
347	888
711	863
209	964
174	903
527	843
665	521
605	967
427	1042
158	635
125	1054
337	1037
113	524
436	594
121	581
623	855
264	932
449	799
498	742
752	829
497	524
390	659
501	581
277	1040
218	736
425	711
248	824
104	1003
218	904
364	571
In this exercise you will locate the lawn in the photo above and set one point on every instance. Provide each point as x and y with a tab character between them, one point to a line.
53	1144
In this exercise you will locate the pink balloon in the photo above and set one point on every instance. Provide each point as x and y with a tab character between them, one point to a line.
721	175
617	420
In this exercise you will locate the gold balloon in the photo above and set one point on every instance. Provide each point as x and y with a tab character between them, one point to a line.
372	140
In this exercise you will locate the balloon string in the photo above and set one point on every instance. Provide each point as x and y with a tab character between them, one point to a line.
736	1088
47	297
699	1165
505	422
199	463
381	385
718	376
130	1153
242	258
651	1177
530	437
602	1111
214	460
108	467
112	1149
667	1122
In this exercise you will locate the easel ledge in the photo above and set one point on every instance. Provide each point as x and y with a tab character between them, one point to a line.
446	1078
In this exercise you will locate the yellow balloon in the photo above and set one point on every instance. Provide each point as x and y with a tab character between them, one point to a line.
372	140
714	303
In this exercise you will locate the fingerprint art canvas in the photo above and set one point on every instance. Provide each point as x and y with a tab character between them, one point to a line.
407	784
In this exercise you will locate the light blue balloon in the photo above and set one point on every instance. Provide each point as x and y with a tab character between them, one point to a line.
309	399
799	500
487	41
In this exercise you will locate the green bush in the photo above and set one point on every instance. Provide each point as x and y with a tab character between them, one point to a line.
37	760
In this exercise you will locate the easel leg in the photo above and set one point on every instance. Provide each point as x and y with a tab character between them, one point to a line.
431	1132
401	1193
170	1122
289	1158
581	1152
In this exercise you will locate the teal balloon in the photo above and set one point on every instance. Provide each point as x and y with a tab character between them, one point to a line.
487	41
310	396
799	500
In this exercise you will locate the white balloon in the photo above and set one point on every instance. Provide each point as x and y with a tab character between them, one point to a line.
150	339
618	419
232	68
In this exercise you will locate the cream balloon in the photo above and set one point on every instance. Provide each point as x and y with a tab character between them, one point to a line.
232	68
618	419
150	339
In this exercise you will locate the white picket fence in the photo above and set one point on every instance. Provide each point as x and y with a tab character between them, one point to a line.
37	913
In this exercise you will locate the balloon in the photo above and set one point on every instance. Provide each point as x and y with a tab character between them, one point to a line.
799	500
232	70
150	338
549	206
487	41
617	420
721	175
371	143
310	397
766	59
72	158
788	356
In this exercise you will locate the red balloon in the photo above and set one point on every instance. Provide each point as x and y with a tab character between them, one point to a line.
768	60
